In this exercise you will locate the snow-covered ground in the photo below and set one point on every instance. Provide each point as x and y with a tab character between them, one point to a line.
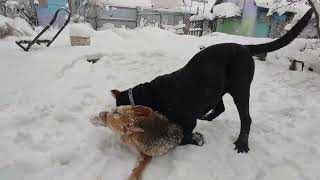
49	94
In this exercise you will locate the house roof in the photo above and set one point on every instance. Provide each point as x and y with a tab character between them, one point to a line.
283	6
127	3
193	6
223	10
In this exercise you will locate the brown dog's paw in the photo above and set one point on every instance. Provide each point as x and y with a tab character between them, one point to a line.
134	177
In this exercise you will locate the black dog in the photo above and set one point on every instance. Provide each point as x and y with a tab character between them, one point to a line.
198	87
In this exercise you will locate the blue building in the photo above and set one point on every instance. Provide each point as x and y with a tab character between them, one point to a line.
46	10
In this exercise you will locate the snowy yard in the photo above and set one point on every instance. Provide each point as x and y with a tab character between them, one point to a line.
49	94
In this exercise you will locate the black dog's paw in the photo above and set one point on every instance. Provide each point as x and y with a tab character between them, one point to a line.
198	139
242	143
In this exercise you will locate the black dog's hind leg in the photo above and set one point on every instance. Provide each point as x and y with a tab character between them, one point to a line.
219	109
242	104
241	75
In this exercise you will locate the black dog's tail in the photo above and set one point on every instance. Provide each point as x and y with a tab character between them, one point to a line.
284	40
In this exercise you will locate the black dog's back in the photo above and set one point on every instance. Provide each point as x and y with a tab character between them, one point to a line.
188	93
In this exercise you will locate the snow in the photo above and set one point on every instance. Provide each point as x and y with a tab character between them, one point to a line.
106	26
226	10
283	6
11	3
194	29
263	3
16	26
175	29
49	94
126	3
204	8
4	20
223	10
198	17
81	30
36	2
166	3
294	20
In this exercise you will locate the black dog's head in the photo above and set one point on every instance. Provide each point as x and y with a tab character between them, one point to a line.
121	97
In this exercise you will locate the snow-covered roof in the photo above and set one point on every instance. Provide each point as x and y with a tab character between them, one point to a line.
224	10
283	6
127	3
141	3
263	3
192	6
166	3
11	3
185	6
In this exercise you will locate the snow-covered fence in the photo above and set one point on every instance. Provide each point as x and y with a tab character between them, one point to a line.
161	18
131	17
97	15
197	27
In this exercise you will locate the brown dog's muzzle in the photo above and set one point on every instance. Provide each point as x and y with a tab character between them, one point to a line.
100	120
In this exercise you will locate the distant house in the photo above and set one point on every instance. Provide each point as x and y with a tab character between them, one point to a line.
254	20
283	18
46	8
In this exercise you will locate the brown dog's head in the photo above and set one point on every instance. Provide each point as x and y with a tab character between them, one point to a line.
123	120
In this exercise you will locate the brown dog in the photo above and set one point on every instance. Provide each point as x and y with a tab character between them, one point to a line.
143	129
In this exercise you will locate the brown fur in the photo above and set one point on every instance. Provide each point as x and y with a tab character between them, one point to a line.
147	131
137	172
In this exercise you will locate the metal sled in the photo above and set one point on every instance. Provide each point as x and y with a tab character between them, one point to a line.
46	41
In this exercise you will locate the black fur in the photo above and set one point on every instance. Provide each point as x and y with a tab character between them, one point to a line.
188	93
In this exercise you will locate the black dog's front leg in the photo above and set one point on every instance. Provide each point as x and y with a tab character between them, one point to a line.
242	141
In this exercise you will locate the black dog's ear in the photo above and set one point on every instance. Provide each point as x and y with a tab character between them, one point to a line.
115	93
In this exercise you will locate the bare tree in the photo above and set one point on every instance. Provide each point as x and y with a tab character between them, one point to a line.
21	8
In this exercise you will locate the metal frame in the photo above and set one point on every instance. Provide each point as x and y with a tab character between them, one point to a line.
47	42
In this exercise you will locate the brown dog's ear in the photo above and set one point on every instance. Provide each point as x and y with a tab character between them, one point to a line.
142	111
115	93
134	129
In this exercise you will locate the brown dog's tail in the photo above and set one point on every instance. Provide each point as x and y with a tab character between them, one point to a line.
141	165
284	40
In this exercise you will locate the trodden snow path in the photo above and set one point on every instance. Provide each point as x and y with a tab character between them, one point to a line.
49	94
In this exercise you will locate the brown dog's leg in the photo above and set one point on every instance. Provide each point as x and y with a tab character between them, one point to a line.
141	165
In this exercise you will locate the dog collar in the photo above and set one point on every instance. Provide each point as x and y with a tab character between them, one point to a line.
130	94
